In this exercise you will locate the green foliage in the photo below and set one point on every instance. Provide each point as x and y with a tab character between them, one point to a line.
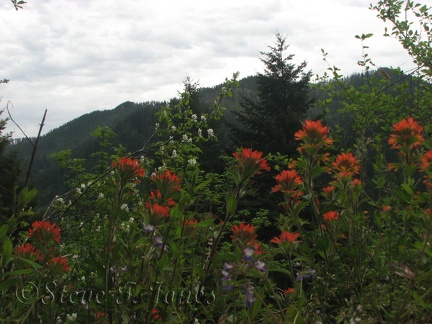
149	235
268	124
10	170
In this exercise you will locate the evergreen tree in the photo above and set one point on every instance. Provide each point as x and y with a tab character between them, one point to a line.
269	124
10	169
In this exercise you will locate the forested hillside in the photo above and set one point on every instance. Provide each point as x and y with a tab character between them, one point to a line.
134	123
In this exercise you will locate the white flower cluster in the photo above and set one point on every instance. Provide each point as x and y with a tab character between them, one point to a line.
124	207
186	139
192	162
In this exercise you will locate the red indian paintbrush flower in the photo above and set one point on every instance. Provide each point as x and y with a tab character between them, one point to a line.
167	182
331	216
407	134
58	263
314	133
28	251
128	169
250	162
285	237
44	232
328	191
157	210
243	233
346	165
288	181
426	162
426	166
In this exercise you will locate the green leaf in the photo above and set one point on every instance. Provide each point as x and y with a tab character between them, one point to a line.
231	204
205	223
7	251
21	272
279	269
5	285
3	231
35	265
293	315
423	276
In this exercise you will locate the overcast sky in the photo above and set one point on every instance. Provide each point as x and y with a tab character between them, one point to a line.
75	56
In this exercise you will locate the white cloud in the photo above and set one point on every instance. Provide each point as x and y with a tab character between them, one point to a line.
72	57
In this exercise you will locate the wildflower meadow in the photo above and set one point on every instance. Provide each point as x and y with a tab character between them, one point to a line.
154	238
337	231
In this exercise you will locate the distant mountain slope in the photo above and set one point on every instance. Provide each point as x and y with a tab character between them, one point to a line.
132	122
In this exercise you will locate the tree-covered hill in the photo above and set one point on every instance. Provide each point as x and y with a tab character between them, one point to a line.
133	124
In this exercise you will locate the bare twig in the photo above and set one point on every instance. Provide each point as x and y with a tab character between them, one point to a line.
34	149
10	117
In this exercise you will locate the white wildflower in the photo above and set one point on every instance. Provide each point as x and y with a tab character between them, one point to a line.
199	132
124	207
157	125
185	138
203	118
173	128
174	153
210	132
83	185
101	195
194	118
192	162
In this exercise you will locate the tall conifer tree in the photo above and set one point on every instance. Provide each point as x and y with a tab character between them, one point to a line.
269	124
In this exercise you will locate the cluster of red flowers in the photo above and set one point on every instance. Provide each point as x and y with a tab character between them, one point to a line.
45	237
128	170
44	231
286	238
426	166
331	216
314	136
407	135
161	200
167	182
244	235
288	182
249	163
346	166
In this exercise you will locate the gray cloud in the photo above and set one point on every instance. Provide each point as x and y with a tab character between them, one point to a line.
73	57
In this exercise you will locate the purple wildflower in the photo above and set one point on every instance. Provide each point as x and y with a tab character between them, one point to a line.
248	252
149	228
158	241
259	265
